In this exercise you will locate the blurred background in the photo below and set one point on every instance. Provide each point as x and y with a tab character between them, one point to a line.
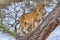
10	12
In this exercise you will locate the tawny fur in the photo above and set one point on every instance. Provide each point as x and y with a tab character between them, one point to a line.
32	17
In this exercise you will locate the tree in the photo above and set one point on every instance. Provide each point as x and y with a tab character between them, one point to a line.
42	31
47	26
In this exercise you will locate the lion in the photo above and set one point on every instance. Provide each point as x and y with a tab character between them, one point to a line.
30	18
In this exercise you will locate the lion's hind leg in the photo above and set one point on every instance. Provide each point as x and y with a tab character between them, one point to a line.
27	27
22	25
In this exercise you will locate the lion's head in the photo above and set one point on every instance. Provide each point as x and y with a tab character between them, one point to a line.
40	8
40	11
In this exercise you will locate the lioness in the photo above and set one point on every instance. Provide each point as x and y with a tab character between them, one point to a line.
32	17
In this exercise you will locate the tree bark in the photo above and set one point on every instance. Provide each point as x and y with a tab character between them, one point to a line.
47	26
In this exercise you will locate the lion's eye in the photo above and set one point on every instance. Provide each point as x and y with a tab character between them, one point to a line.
39	10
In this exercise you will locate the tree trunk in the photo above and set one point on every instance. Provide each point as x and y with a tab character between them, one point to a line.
47	26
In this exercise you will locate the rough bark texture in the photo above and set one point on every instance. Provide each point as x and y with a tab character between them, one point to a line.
48	25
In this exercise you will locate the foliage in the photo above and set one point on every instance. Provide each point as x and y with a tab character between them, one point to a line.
4	29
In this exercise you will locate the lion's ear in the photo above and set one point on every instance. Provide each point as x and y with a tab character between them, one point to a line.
40	5
43	5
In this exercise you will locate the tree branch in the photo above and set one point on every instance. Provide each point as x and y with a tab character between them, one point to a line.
47	26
